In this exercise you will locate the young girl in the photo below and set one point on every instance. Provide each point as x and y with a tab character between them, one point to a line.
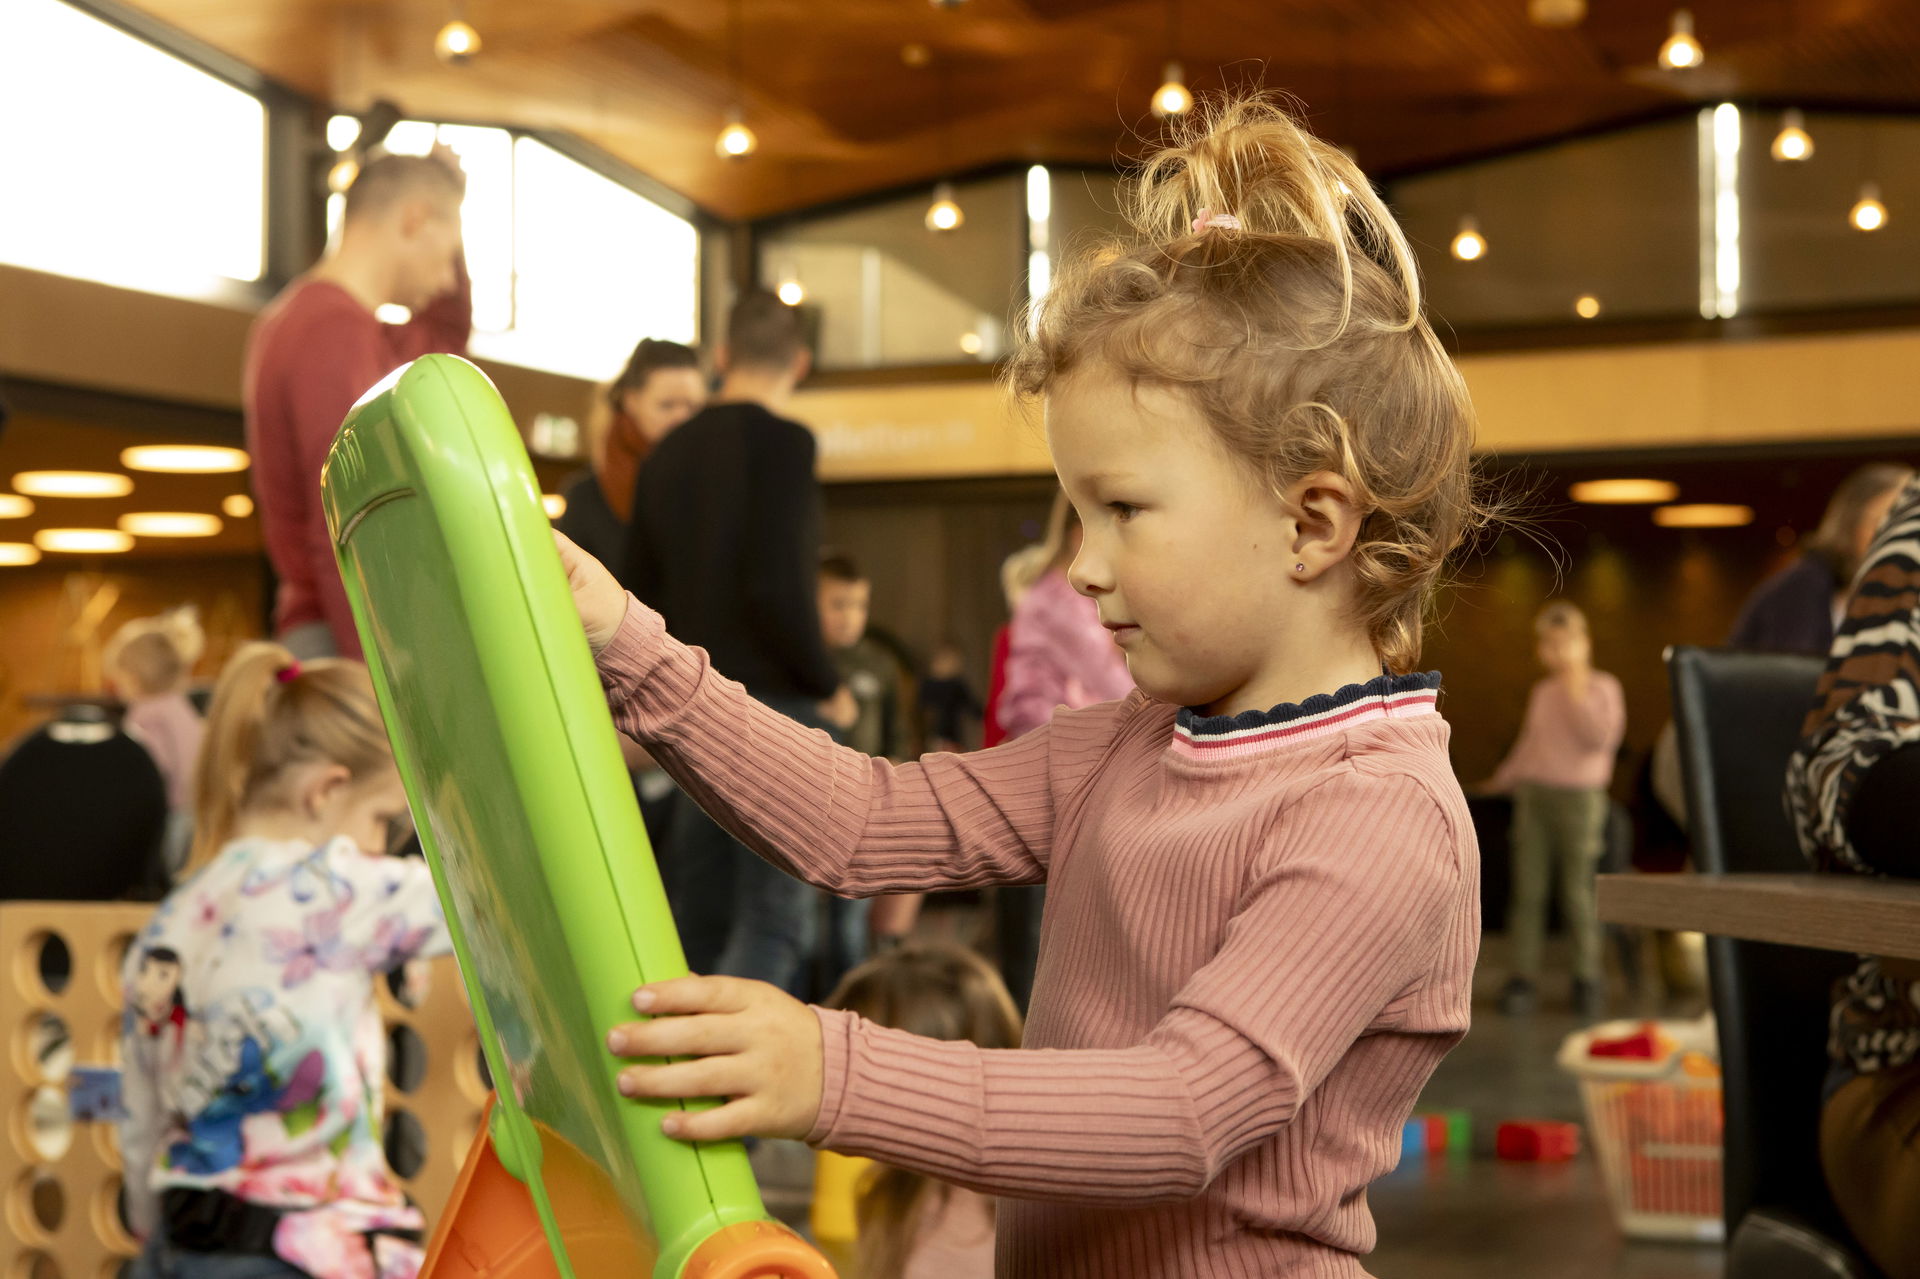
148	663
1262	899
254	1055
912	1227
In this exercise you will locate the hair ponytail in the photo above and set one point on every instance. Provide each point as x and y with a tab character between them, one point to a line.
269	713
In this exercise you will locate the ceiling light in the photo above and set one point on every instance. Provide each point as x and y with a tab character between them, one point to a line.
1703	515
1586	306
1681	50
13	506
184	459
944	214
342	174
555	503
83	541
1172	97
1793	142
791	292
170	524
18	554
236	506
342	131
1624	492
736	140
73	483
1468	244
971	343
1868	214
456	44
1556	13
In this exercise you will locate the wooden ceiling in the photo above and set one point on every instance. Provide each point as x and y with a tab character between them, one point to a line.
840	112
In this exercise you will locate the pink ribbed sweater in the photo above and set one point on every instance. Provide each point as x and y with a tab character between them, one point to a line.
1259	941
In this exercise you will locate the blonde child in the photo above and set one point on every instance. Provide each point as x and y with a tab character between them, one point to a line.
1262	907
254	1055
912	1227
148	663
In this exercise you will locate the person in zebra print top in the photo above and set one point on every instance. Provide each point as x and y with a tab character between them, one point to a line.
1849	788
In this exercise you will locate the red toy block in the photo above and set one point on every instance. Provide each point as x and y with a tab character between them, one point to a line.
1537	1141
1436	1133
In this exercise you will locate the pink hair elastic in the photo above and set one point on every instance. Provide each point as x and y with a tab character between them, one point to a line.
288	673
1211	221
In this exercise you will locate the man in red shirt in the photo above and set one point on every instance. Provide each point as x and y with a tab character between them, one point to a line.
317	348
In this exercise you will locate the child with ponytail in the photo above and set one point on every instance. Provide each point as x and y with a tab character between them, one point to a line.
253	1051
1262	899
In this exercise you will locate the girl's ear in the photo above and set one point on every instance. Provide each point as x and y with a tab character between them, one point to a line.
1327	522
321	788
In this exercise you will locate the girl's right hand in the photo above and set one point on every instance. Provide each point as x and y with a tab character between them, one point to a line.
600	599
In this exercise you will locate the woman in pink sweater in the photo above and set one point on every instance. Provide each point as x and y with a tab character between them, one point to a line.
1262	910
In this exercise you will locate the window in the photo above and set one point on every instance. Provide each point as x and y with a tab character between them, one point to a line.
570	268
123	163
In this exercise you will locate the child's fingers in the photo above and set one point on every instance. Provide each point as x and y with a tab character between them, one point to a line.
694	995
722	1123
701	1077
694	1035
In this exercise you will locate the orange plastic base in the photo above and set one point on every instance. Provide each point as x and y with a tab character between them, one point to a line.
756	1250
489	1229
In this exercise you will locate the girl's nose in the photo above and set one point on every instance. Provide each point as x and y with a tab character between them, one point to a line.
1088	575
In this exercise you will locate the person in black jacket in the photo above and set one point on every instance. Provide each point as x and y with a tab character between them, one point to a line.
724	540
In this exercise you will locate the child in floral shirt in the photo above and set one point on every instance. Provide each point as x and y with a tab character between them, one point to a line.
253	1049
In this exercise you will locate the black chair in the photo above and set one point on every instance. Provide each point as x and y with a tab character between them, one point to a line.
1739	715
82	813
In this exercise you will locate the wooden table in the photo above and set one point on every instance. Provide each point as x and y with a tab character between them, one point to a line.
1827	912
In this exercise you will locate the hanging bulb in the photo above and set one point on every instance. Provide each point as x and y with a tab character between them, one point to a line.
791	292
1868	213
736	141
1681	50
1793	142
1172	98
457	43
943	214
1468	244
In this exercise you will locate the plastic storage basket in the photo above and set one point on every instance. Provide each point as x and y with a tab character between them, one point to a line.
1656	1128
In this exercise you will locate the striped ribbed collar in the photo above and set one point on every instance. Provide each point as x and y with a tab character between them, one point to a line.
1251	732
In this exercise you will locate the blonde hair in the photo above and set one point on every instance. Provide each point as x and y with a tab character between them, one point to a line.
269	714
940	992
1020	570
1560	614
1837	540
1297	333
153	656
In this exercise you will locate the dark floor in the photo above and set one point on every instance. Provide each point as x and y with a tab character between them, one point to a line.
1453	1217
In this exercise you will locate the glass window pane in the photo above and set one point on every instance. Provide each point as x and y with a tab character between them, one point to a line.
596	268
887	291
159	167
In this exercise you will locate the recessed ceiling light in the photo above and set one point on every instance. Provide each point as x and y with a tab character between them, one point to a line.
1624	492
1703	515
83	541
237	505
170	524
18	554
184	459
13	506
73	483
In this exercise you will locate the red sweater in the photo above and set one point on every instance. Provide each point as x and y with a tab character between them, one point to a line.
311	354
1259	941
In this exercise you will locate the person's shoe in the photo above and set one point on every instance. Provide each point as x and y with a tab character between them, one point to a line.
1589	999
1517	997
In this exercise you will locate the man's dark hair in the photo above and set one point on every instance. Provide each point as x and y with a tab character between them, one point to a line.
763	332
385	180
838	566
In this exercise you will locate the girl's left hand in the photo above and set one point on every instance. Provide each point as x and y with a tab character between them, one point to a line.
752	1043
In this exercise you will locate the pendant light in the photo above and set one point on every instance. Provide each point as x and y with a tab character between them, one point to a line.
1793	142
1868	213
945	214
1681	49
736	140
458	41
1173	97
1468	244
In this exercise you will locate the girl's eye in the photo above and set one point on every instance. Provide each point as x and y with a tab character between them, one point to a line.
1123	511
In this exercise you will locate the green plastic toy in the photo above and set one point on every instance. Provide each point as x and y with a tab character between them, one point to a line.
524	807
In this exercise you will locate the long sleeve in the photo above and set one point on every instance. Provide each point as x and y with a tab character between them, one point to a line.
1507	775
1322	950
783	510
1598	720
394	913
829	814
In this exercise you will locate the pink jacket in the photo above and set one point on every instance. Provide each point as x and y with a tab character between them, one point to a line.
1059	655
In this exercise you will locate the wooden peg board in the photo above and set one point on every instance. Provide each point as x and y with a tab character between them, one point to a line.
61	1205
